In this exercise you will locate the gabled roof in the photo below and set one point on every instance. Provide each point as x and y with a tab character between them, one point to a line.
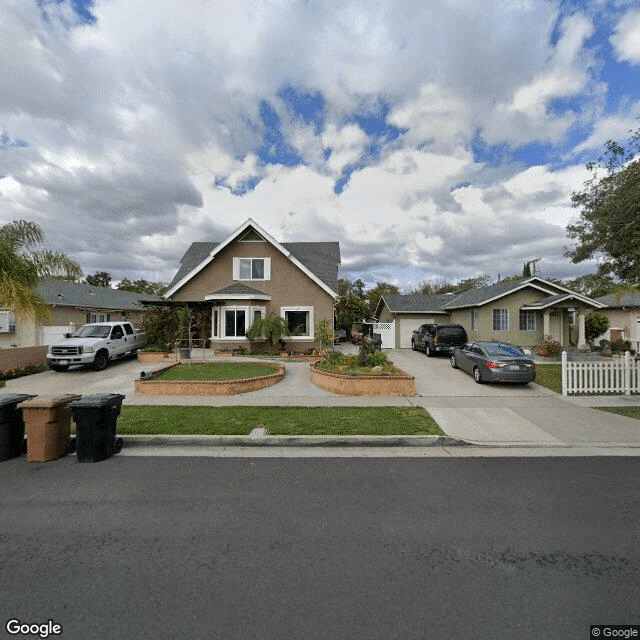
549	301
625	300
550	291
238	291
85	296
319	260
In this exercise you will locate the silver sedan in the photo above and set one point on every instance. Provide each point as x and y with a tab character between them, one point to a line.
494	362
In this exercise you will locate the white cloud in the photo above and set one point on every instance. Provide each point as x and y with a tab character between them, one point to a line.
626	37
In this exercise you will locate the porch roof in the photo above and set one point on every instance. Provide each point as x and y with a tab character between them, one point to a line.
551	301
238	291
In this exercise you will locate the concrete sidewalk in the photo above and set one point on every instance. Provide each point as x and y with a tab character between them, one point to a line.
500	417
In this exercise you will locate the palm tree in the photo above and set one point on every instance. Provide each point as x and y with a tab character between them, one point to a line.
21	267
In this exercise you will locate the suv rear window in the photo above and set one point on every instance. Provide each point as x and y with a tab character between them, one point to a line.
451	331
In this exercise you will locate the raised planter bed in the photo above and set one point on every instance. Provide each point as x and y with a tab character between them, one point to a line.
153	356
363	385
207	387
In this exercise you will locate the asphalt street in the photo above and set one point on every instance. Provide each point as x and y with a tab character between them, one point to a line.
171	547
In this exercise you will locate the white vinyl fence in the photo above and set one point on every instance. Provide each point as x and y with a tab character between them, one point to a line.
617	375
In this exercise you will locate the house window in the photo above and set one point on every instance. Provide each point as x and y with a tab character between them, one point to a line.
98	317
300	321
501	319
571	313
474	319
527	320
235	323
214	323
252	268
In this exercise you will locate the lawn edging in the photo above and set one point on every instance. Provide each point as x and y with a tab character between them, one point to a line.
290	441
403	385
206	387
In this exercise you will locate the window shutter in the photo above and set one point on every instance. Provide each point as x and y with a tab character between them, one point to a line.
267	268
236	268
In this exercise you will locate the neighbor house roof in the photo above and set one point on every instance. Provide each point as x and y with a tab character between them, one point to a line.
625	300
85	296
551	293
319	260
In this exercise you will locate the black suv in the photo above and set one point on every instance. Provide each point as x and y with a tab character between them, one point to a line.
432	338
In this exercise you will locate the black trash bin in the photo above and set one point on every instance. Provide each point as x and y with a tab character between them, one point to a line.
95	416
12	425
376	343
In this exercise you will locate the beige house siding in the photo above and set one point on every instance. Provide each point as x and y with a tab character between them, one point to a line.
288	286
626	320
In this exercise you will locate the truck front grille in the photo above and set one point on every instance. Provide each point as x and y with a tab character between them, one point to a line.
66	351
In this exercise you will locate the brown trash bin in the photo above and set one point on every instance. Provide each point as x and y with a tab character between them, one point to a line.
48	424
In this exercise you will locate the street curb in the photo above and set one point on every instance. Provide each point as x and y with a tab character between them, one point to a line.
291	441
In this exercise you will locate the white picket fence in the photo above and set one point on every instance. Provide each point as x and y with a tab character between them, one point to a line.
617	375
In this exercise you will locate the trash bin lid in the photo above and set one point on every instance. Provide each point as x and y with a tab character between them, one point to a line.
14	398
49	401
98	400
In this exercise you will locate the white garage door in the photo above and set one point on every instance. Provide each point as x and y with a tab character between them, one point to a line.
407	327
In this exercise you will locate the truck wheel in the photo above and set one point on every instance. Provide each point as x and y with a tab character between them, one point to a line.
427	350
100	363
59	367
413	346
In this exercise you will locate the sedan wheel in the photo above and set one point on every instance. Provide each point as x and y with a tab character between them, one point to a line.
453	362
476	375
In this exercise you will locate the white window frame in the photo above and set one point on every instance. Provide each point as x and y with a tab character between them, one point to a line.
571	317
502	315
266	265
528	326
310	311
249	315
474	319
98	317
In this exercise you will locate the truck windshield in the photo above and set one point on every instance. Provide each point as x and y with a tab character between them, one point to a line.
92	331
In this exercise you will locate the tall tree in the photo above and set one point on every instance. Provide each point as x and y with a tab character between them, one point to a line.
142	286
609	224
22	266
99	279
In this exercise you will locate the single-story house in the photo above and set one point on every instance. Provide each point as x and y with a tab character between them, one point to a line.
71	304
623	312
519	311
250	274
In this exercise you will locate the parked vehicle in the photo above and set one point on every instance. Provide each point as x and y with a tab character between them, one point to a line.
95	345
494	362
435	338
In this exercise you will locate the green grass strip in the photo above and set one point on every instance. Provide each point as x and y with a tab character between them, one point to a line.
179	420
218	371
549	376
629	412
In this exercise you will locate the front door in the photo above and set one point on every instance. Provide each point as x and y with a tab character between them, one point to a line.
555	325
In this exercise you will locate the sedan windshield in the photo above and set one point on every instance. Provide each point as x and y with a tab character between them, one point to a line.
92	331
502	350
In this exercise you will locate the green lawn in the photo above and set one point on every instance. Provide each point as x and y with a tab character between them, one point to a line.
550	376
278	420
630	412
218	371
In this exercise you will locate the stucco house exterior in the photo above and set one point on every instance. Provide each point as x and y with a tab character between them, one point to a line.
250	274
519	311
623	312
71	304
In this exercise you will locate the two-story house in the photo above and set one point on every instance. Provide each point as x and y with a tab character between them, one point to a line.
250	274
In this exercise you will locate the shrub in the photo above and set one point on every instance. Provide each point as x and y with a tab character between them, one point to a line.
551	346
272	328
620	346
595	324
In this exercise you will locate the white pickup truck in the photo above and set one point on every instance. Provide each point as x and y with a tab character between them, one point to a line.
95	344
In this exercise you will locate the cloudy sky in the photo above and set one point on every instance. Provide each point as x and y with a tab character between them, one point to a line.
432	138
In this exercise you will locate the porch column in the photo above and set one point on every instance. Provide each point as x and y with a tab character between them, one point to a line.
546	331
582	341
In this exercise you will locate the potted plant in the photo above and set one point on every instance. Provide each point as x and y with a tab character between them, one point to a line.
186	322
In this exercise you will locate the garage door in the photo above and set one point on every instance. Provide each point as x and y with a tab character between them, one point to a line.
407	327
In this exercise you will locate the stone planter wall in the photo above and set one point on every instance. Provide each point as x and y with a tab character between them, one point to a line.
153	356
207	387
364	385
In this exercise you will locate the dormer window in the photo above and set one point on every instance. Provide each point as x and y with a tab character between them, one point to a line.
251	268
